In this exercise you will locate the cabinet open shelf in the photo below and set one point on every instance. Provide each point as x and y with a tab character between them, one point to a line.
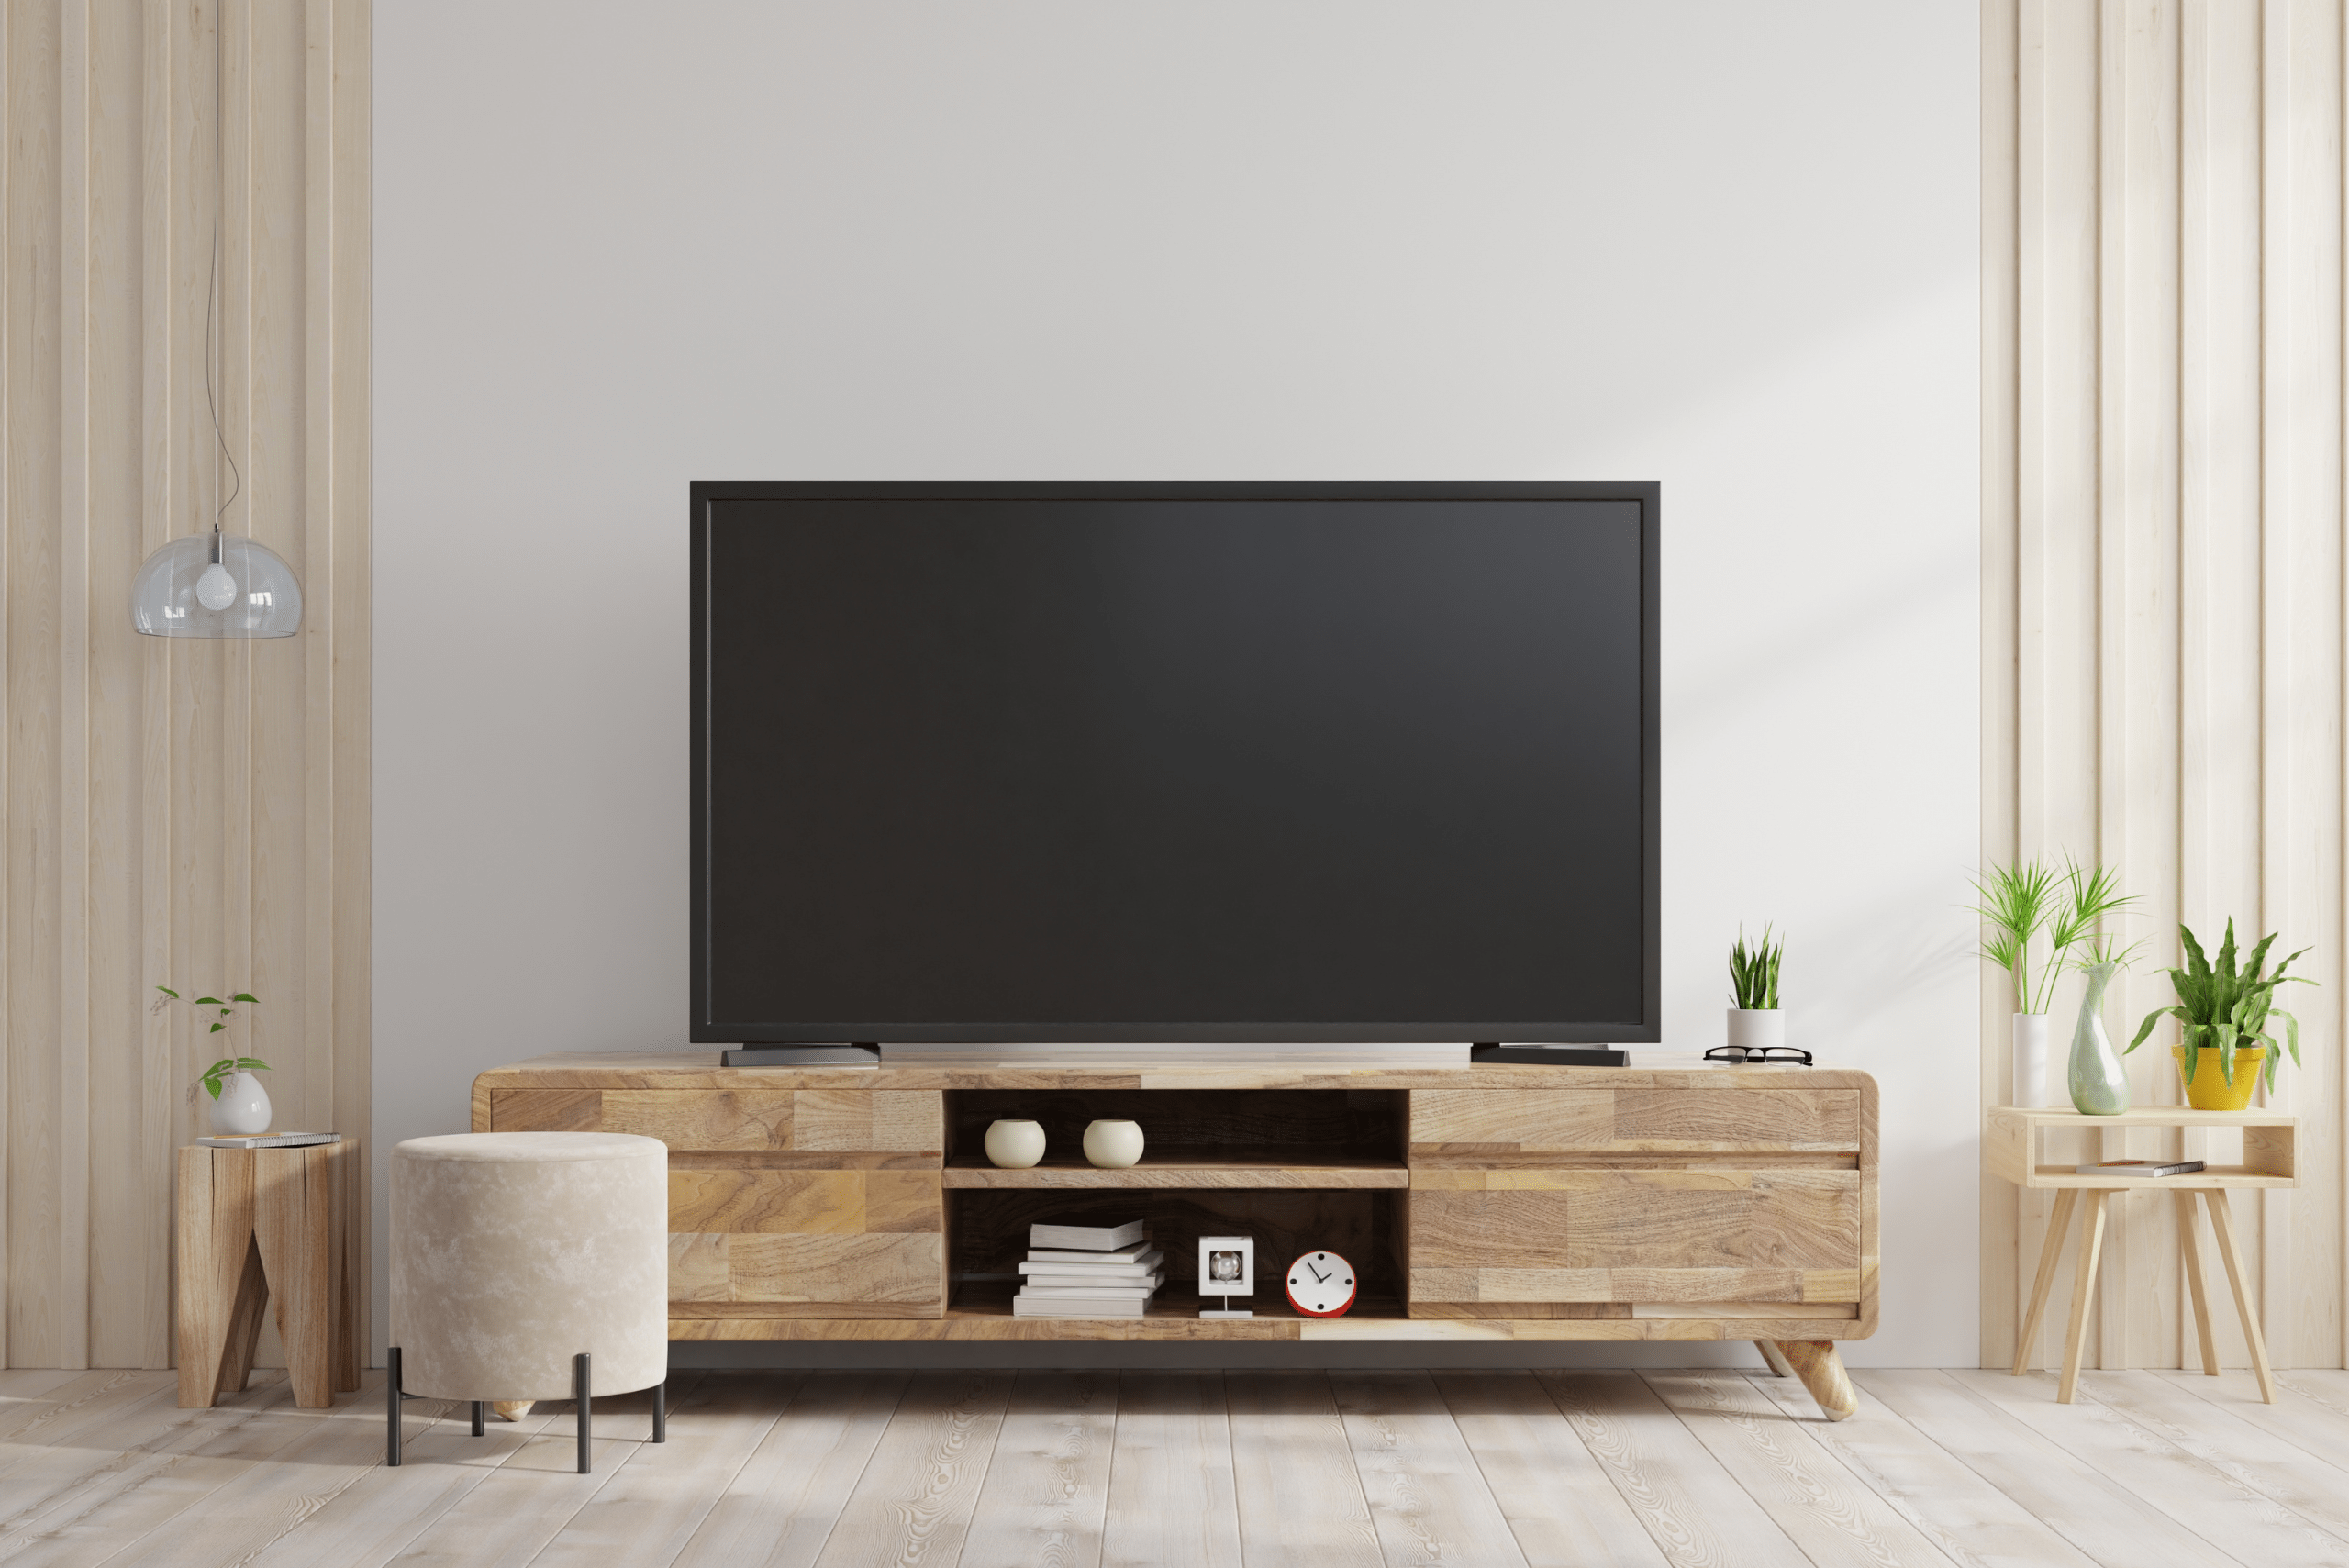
1301	1169
1173	1305
2209	1176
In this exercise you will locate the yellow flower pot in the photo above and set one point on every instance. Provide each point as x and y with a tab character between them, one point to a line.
2209	1092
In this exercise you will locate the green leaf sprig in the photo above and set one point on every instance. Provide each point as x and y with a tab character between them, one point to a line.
229	1067
218	1014
1753	971
2220	1005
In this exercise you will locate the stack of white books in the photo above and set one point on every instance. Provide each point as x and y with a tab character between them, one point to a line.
1087	1270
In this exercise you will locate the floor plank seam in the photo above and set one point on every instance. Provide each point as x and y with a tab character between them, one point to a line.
2208	1396
2115	1491
129	1459
1865	1542
2241	1488
1873	1480
896	1407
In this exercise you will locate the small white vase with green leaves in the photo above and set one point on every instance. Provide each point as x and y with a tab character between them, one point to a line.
240	1106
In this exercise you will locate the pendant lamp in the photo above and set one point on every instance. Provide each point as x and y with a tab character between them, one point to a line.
216	584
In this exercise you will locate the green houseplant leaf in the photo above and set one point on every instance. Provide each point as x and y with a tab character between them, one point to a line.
2227	1004
1753	971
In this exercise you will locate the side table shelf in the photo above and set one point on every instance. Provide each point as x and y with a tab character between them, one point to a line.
2012	1147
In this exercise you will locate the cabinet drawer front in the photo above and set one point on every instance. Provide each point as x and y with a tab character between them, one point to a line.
545	1110
806	1203
822	1121
1635	1236
738	1119
1534	1122
848	1277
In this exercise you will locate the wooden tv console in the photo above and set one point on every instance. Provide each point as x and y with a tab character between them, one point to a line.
1480	1203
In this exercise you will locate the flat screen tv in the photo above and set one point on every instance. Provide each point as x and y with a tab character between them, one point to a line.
1177	763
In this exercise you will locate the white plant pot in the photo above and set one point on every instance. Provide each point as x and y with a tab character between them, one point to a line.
242	1108
1015	1145
1757	1030
1113	1145
2030	1059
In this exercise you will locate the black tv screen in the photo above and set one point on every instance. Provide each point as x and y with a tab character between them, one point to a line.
1174	763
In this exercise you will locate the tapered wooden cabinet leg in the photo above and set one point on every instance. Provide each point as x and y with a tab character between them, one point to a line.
2223	1227
1777	1358
2059	1221
2189	1255
2083	1295
1821	1371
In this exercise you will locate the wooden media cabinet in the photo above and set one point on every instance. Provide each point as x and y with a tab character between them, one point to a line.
1478	1202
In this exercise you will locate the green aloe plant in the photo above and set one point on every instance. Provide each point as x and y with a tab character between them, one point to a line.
2221	1006
1753	971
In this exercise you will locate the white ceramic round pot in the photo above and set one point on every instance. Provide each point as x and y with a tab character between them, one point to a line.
1113	1145
1757	1030
1015	1145
242	1108
2030	1059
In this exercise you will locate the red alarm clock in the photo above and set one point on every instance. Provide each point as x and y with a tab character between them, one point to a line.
1320	1284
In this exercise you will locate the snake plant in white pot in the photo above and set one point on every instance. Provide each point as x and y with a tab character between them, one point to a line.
1756	1025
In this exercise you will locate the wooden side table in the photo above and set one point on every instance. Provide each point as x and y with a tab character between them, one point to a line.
258	1224
2013	1148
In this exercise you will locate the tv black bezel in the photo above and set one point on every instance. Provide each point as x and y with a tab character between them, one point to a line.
1642	1030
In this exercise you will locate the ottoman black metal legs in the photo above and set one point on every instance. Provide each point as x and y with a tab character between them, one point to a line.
583	1391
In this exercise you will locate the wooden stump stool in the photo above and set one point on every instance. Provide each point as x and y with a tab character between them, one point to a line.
256	1226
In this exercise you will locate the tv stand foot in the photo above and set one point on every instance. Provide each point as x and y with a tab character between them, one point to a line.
1821	1371
1550	1055
801	1056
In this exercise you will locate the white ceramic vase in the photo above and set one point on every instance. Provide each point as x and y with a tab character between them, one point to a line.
1113	1145
242	1108
2030	1059
1758	1029
1015	1145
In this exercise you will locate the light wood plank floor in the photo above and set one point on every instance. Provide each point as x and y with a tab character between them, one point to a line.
1190	1470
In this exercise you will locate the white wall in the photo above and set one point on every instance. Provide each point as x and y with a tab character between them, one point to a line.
1729	247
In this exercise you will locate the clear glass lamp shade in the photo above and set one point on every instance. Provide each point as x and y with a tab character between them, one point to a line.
182	592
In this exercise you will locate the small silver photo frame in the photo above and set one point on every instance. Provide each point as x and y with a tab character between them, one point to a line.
1227	1268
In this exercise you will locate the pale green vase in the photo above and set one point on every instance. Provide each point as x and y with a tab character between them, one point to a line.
2099	1086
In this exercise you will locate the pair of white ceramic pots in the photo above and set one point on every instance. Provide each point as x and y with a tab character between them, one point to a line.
1016	1145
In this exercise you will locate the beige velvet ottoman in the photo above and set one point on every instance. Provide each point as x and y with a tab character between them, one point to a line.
528	1265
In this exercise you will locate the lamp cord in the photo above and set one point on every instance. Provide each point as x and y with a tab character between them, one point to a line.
212	281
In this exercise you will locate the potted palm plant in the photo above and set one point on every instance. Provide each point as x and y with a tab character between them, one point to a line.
2223	1014
2040	922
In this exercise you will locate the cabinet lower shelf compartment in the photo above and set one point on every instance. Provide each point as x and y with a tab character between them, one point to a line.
983	1312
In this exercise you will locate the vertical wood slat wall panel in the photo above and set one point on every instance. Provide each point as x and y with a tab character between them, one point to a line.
2163	574
189	812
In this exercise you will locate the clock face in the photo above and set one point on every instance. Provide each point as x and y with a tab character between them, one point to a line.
1320	1284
